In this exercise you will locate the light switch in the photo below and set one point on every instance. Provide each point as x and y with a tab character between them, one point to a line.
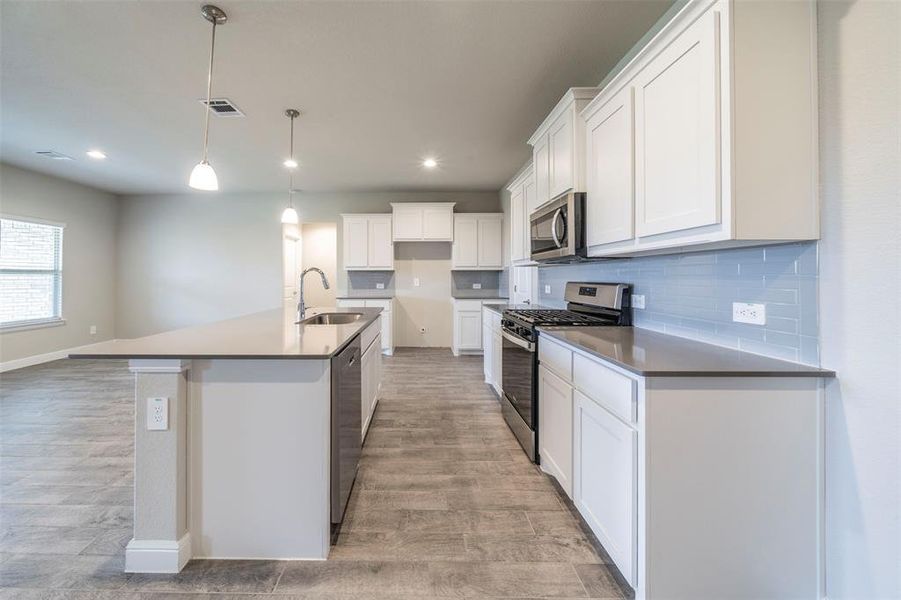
157	414
547	289
416	282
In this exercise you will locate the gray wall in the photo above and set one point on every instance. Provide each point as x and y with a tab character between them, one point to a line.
860	296
194	258
89	258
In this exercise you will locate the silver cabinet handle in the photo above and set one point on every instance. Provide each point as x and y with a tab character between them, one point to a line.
554	227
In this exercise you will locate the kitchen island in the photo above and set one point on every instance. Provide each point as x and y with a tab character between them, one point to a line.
247	434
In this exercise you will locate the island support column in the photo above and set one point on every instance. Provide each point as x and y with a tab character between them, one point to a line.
161	542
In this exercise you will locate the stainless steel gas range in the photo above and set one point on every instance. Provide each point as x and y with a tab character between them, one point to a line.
588	304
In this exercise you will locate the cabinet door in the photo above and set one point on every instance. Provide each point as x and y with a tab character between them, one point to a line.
517	226
407	223
522	285
381	248
356	243
610	187
487	350
438	224
560	141
366	387
497	360
491	246
387	332
605	453
469	330
376	374
555	441
465	251
541	164
677	134
530	192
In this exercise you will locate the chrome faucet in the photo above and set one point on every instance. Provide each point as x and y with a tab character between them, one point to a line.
301	306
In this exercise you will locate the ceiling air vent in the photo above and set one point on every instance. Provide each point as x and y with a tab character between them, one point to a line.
223	107
53	154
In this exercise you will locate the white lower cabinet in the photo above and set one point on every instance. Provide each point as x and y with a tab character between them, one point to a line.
468	334
386	317
555	414
370	373
492	348
675	472
605	470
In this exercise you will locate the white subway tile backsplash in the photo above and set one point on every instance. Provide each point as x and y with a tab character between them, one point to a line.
691	295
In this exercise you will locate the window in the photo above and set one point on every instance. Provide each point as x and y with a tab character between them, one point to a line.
31	272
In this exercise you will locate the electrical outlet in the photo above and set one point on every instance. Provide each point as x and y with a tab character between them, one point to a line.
743	312
93	330
547	289
380	286
416	282
477	286
637	300
157	414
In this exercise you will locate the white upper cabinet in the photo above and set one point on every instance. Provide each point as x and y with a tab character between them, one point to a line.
367	243
691	147
676	133
478	241
423	221
611	176
523	201
558	149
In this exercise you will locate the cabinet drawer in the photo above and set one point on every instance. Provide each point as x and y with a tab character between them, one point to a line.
467	305
614	391
556	358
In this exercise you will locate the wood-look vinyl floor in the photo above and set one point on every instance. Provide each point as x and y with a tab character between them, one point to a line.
445	505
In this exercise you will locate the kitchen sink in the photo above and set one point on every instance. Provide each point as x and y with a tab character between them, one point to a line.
331	319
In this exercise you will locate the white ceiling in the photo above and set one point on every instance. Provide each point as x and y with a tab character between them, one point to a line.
380	84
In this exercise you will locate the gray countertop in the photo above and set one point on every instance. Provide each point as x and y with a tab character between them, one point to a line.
272	334
652	354
464	294
366	295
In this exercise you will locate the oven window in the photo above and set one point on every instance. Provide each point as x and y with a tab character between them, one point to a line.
517	369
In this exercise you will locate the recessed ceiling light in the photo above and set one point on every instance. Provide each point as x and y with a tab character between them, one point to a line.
290	163
96	154
430	163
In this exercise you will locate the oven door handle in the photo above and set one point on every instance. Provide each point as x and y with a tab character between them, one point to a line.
528	346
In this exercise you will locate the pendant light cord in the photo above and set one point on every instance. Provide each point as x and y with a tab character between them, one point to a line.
209	96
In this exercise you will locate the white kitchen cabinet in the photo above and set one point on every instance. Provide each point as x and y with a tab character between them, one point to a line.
522	193
370	372
674	471
524	285
468	324
676	133
558	147
492	346
555	413
386	317
610	185
716	163
367	242
478	241
423	221
605	466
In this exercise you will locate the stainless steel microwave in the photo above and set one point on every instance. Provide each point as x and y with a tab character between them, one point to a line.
557	229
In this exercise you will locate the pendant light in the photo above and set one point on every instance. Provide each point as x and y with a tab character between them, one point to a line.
289	216
203	177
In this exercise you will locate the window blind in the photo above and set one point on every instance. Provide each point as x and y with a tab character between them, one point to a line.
31	259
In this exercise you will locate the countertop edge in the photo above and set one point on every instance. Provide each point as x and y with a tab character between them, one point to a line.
805	371
188	356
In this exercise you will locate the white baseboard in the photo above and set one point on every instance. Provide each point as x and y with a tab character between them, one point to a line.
37	359
157	556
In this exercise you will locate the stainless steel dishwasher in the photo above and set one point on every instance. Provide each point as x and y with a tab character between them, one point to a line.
346	426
